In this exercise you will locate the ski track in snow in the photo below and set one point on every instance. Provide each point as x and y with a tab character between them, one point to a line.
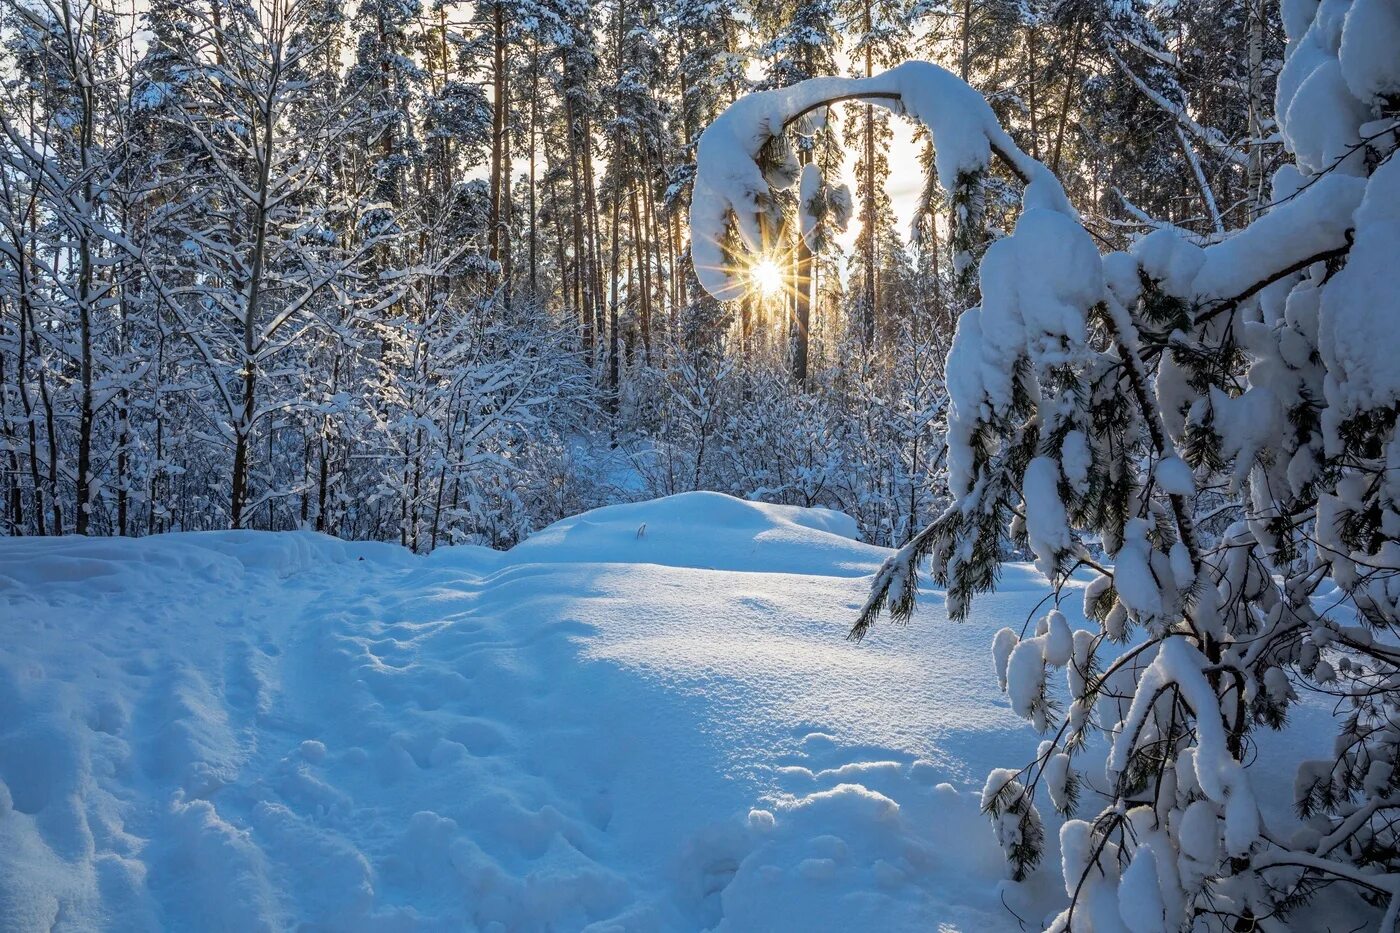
248	731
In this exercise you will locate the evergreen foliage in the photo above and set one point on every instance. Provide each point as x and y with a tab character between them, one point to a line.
1105	409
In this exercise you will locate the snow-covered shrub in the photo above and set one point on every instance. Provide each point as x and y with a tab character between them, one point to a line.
467	412
890	423
864	443
687	406
1096	397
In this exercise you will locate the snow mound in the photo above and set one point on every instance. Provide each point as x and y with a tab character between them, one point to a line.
859	849
48	568
737	535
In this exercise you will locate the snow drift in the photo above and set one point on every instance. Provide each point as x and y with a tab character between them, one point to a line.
644	718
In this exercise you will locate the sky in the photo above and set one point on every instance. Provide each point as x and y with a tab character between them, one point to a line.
905	180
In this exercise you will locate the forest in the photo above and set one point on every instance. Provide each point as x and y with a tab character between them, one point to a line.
422	272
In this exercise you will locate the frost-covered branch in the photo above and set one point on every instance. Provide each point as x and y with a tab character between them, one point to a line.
1209	136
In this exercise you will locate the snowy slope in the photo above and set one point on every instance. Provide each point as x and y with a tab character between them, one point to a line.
643	718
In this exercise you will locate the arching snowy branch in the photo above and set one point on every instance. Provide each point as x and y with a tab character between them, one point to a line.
729	180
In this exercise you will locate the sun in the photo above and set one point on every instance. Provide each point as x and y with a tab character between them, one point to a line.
767	277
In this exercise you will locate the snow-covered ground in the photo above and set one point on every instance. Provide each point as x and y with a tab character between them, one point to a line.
642	718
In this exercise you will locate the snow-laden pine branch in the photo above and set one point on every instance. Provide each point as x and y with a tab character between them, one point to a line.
1097	404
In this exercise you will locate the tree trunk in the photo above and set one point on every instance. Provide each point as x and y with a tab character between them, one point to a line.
51	430
802	312
16	494
583	301
868	233
612	308
244	427
679	277
1032	81
567	284
22	268
86	416
1070	84
1254	200
498	132
642	259
619	177
242	434
534	126
965	51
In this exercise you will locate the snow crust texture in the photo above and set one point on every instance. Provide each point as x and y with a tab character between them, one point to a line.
644	718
